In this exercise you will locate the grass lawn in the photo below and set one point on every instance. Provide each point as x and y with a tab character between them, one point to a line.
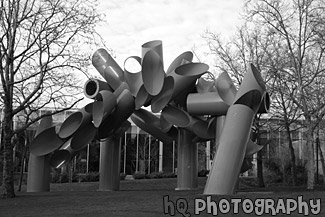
149	198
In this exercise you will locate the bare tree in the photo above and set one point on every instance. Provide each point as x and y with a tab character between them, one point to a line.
247	46
296	23
42	44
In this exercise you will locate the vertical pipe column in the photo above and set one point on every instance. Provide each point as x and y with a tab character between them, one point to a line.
124	161
149	155
187	161
39	170
173	156
109	164
207	154
39	173
219	127
161	151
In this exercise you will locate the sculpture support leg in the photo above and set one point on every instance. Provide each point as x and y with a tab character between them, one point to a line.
231	151
109	164
39	173
219	127
187	161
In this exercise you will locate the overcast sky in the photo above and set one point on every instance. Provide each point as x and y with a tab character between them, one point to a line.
178	23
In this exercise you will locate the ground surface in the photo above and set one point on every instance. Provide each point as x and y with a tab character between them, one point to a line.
158	198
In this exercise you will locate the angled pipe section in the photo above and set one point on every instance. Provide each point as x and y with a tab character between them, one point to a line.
180	118
238	122
123	128
208	103
151	124
162	99
192	69
75	121
202	129
225	88
45	142
152	72
79	140
124	108
63	155
251	82
252	148
176	116
103	106
93	86
185	57
173	83
108	68
142	98
155	45
185	76
83	137
165	126
133	78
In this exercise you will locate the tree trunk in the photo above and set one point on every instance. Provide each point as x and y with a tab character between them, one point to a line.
293	157
322	162
293	164
259	160
310	161
22	164
8	174
260	179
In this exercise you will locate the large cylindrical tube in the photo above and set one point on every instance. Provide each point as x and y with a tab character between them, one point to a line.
103	106
170	89
151	124
225	169
133	78
176	116
208	103
46	142
75	121
225	87
108	68
252	81
187	161
39	171
123	110
155	45
109	164
79	140
93	86
153	73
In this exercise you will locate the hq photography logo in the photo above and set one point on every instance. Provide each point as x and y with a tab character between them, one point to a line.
258	206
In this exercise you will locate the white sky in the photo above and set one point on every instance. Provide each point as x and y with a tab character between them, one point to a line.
179	24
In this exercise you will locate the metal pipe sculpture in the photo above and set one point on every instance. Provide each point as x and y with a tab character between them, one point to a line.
193	108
